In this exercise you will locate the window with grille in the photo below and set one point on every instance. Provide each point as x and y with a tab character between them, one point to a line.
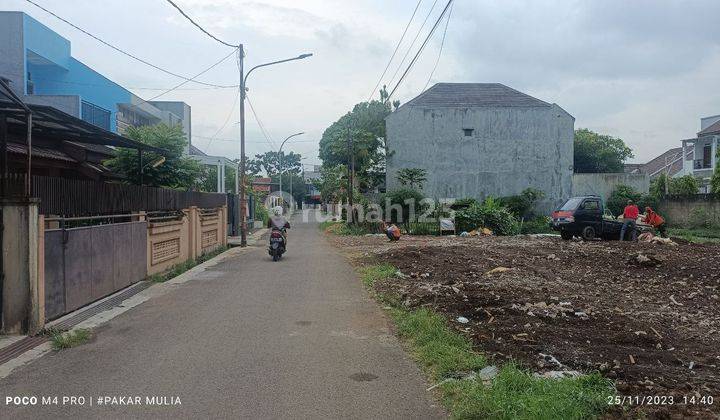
96	115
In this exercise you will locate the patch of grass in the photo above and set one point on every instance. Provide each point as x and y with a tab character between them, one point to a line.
371	274
514	394
536	225
65	340
342	228
697	235
184	266
440	350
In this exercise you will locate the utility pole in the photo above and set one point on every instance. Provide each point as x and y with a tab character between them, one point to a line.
351	171
243	200
243	81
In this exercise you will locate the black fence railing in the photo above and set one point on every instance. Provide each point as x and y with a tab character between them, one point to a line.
74	197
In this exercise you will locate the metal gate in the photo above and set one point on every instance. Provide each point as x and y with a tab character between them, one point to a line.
232	214
85	264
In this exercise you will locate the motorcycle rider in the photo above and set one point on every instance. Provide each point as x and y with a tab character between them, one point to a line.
277	221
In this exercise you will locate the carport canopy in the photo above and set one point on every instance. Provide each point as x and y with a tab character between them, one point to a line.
52	124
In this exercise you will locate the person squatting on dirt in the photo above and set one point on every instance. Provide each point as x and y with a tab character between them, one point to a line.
655	220
392	231
630	215
277	221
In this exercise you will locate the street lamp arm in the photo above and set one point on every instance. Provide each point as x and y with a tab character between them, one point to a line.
300	57
288	138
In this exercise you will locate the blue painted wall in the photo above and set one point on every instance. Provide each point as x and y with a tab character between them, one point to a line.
56	72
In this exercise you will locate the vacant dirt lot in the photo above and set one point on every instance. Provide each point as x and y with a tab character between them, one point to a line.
651	323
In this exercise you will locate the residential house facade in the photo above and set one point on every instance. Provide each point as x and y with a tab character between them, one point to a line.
702	151
38	63
482	139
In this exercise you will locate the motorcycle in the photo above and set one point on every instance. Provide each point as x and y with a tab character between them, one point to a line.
277	244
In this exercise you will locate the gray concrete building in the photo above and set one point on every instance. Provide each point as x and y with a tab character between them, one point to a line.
482	139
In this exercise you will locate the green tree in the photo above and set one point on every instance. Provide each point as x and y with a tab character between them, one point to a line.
297	182
207	180
332	183
365	124
659	186
408	201
684	185
177	171
412	177
270	163
622	193
599	153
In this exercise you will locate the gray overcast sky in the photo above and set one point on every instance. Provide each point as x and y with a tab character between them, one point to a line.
645	71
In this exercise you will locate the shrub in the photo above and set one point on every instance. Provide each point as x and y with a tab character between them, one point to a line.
622	193
463	203
407	199
536	225
685	185
491	215
523	204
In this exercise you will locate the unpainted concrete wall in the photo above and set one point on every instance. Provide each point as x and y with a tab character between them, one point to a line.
511	148
20	288
603	184
691	211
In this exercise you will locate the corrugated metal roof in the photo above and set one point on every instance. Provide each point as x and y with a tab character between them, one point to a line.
39	152
467	95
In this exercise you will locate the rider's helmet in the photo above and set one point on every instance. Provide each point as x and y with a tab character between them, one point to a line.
278	211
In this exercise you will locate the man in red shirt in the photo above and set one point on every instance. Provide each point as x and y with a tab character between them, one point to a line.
630	214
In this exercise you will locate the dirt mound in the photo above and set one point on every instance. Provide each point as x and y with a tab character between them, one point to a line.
645	315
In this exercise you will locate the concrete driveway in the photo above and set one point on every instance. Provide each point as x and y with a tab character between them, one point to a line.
248	338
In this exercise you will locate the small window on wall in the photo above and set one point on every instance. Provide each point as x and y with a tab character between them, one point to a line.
468	132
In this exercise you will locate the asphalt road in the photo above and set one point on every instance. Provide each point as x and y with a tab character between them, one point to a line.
249	338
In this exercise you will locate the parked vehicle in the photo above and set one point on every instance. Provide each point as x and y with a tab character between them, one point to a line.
277	243
588	218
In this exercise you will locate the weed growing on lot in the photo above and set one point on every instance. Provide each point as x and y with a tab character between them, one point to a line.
65	340
178	269
696	235
514	394
375	272
440	350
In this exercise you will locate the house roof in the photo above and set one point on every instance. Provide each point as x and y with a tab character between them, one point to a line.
712	129
467	95
195	151
53	124
671	158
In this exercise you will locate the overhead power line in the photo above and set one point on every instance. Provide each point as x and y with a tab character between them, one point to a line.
412	44
200	27
420	50
195	136
65	82
187	81
121	51
261	125
227	119
402	37
442	44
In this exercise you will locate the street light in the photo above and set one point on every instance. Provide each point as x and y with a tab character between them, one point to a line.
243	80
280	157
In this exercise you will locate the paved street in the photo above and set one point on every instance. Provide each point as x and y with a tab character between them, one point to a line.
248	339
